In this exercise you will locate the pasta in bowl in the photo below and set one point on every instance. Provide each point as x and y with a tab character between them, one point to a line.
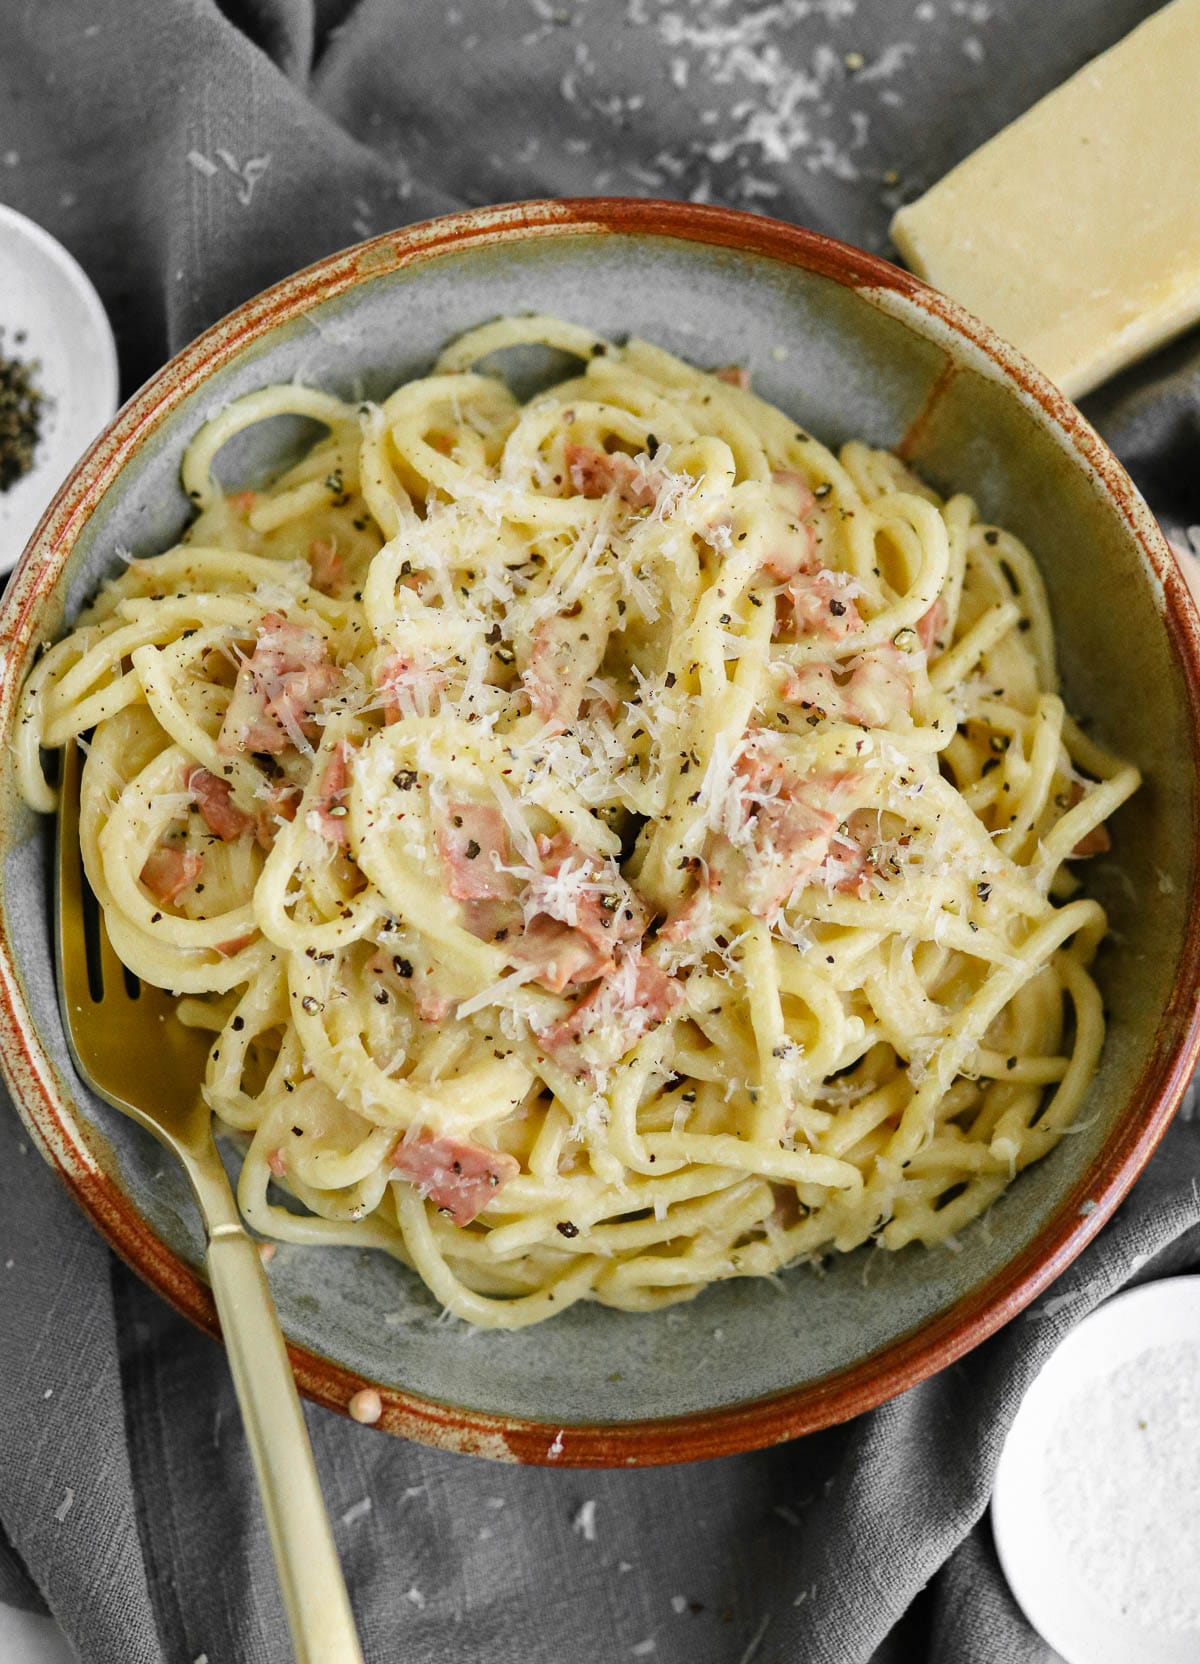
619	843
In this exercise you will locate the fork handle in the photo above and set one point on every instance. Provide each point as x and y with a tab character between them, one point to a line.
310	1576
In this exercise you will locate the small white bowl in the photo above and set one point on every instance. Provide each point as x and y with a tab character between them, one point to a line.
46	297
1062	1436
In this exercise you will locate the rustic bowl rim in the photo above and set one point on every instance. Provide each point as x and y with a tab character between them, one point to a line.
760	1422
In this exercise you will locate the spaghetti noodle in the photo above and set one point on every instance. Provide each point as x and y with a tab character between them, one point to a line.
617	843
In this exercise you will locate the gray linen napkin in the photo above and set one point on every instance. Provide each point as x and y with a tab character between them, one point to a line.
189	155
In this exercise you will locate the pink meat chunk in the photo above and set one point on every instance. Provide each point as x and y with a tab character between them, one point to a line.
407	686
870	691
563	957
458	1177
607	1022
214	799
279	689
799	553
169	871
1095	842
566	653
818	602
792	825
797	556
235	944
583	913
595	473
283	799
325	564
330	805
850	861
795	490
930	626
474	848
733	375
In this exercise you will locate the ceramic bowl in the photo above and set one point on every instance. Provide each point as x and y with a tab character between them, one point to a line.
850	346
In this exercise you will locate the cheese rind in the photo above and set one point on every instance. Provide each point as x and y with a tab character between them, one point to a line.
1075	232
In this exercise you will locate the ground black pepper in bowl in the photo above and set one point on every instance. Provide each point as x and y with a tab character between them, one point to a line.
21	408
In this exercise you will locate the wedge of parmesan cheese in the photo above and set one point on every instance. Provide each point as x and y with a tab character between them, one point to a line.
1075	232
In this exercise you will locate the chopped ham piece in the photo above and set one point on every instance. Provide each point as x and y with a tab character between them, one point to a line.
564	957
325	564
930	626
580	911
604	1025
851	859
413	980
791	823
796	489
169	871
243	501
459	1178
690	919
798	555
493	921
565	655
595	473
473	844
277	1163
278	689
589	893
734	376
871	692
797	552
214	799
407	686
1095	842
818	602
283	799
787	1210
235	944
330	807
568	918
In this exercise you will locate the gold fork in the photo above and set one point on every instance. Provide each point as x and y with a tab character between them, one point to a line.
132	1050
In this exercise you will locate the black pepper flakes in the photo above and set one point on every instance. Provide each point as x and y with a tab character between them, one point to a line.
21	410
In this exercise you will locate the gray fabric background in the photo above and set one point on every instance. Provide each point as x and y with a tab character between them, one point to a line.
865	1543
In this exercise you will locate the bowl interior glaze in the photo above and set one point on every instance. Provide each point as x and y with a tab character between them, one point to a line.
850	348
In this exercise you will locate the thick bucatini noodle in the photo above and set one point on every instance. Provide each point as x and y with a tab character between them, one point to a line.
617	842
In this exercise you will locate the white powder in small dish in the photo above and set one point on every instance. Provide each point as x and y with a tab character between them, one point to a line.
1122	1487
